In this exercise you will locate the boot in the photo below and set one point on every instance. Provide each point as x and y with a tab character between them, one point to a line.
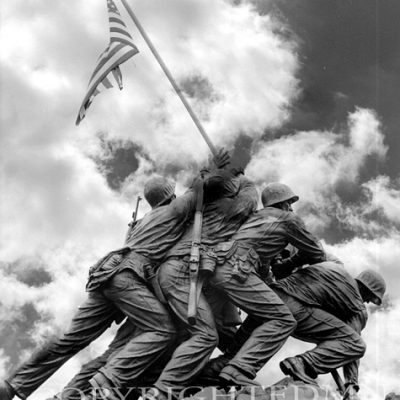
296	368
215	366
231	376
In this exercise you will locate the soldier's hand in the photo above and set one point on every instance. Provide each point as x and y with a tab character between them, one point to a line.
222	158
350	393
281	269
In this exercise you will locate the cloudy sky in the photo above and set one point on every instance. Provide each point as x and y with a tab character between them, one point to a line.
301	91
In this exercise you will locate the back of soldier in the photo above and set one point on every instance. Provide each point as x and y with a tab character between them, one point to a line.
326	285
160	228
265	232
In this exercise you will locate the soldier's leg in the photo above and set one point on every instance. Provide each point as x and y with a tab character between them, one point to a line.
94	316
155	331
80	382
226	316
190	357
276	322
337	343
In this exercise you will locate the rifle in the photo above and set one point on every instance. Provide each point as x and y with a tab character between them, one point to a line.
339	382
134	219
194	261
134	214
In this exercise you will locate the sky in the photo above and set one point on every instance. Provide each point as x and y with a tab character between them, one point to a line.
300	91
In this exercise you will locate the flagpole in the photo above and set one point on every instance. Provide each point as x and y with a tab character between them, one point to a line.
170	78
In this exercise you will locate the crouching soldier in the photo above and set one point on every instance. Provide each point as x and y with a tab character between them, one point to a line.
328	305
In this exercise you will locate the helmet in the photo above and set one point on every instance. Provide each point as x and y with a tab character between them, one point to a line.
374	282
158	190
276	192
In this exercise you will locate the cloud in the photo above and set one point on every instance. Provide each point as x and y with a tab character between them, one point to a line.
66	198
318	164
59	212
384	196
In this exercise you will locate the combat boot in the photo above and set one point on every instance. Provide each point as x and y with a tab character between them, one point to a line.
231	376
296	368
215	366
6	391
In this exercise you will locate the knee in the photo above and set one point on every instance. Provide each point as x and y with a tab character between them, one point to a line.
289	323
167	328
210	338
362	346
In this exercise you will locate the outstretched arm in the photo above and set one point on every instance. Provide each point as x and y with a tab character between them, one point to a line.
310	250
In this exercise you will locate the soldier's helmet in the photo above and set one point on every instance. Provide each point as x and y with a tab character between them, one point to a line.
276	192
158	190
374	282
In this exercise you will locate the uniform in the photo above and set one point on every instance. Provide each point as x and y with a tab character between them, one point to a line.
264	235
117	288
328	307
221	219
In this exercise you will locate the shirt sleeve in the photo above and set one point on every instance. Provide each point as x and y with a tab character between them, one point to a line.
245	201
184	206
310	250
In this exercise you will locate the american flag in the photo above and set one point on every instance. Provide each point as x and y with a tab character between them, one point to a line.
120	49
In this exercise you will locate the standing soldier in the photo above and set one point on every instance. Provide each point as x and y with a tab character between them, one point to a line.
263	236
118	287
221	219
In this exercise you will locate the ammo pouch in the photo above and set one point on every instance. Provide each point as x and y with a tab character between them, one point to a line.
208	260
244	260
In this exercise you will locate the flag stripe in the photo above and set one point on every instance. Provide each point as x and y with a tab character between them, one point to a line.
120	49
110	63
119	25
124	40
116	20
106	71
107	55
107	83
114	30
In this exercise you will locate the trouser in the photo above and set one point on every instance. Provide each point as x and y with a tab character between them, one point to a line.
337	343
80	382
126	293
226	322
259	301
190	357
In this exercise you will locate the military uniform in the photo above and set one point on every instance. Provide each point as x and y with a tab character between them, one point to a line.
329	310
226	323
221	219
263	236
117	287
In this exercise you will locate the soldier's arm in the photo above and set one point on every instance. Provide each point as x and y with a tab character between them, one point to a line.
183	206
310	250
244	202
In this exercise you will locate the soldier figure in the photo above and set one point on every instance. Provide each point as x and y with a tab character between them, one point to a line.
222	216
118	288
328	305
264	235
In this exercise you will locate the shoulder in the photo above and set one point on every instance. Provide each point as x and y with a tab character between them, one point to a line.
294	220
